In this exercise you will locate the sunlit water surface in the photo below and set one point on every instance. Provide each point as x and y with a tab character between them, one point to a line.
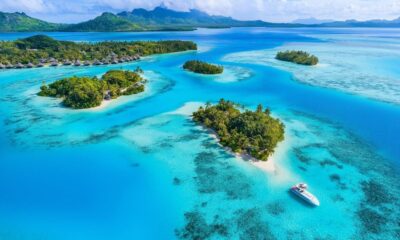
141	169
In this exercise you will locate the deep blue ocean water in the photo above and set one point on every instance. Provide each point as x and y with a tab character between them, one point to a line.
140	169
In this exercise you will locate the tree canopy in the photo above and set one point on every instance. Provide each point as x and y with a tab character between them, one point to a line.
251	132
35	48
299	57
88	92
202	67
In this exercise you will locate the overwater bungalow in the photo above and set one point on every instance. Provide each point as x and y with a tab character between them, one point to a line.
114	61
30	65
9	65
77	63
106	62
107	95
120	60
67	62
97	62
2	66
19	65
54	63
40	65
86	63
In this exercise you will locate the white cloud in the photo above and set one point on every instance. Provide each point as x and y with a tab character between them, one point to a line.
24	5
270	10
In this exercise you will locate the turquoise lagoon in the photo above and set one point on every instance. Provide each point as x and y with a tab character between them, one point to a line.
139	168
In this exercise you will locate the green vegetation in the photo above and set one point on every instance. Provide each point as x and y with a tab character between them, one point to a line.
202	67
254	133
158	19
35	48
88	92
299	57
20	22
107	22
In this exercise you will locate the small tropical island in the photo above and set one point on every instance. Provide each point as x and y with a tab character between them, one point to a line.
255	133
202	67
89	92
41	50
299	57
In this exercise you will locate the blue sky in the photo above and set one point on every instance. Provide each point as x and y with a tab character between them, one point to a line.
269	10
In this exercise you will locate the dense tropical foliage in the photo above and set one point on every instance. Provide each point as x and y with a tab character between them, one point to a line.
299	57
88	92
37	47
251	132
202	67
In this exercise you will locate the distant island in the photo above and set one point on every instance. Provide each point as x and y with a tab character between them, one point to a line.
161	19
89	92
202	67
20	22
255	133
299	57
158	19
38	50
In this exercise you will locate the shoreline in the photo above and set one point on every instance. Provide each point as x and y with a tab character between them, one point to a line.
104	104
187	109
269	166
108	104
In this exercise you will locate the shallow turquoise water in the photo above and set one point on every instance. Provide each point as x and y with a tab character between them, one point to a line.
138	169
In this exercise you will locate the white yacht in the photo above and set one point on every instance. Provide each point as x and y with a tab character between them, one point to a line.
300	190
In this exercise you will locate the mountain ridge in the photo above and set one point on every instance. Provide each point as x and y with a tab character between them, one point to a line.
20	22
163	19
106	22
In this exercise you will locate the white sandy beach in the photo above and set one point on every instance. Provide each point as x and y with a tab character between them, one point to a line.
272	166
103	105
187	109
269	166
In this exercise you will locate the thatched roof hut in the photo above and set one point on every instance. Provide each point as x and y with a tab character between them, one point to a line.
19	65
